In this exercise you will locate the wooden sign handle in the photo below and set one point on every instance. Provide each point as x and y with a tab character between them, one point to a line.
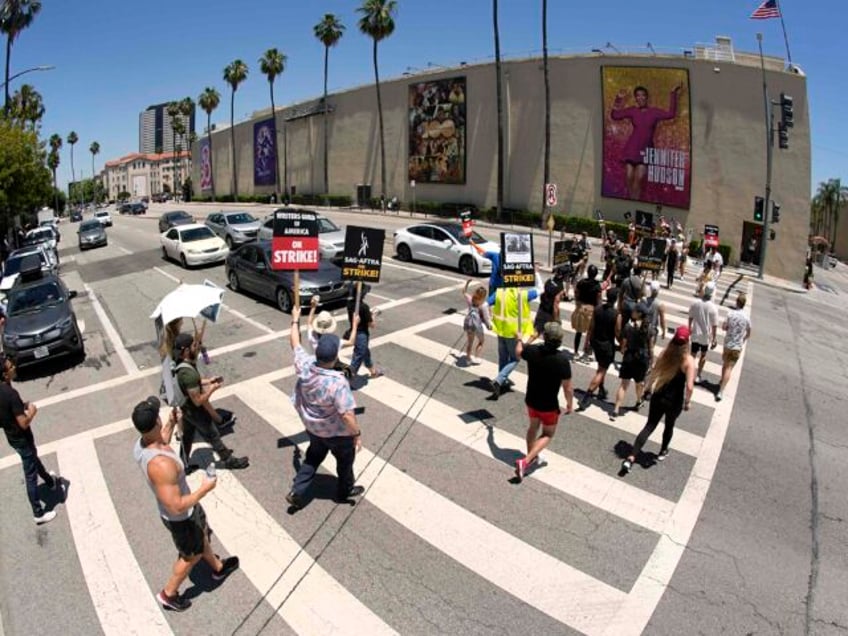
297	288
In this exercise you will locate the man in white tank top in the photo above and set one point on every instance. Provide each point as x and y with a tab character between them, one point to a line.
179	508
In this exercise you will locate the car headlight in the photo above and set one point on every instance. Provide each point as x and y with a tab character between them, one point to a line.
10	338
65	323
193	251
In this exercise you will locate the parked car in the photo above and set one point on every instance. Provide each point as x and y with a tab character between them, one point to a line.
124	208
443	243
234	227
104	217
12	267
40	319
76	216
42	235
137	208
91	234
248	270
331	237
193	244
162	197
173	219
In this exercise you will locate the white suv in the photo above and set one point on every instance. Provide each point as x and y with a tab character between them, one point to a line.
104	217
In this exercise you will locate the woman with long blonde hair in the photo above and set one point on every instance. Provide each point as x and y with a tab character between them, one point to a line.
673	382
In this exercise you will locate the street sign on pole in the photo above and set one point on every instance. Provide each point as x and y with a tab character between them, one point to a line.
551	194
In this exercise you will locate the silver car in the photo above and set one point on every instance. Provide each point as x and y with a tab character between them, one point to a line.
234	227
331	237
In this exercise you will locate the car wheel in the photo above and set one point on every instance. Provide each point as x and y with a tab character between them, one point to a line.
467	267
403	252
284	300
229	242
183	261
234	284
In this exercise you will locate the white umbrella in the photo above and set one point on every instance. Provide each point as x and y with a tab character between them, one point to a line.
190	301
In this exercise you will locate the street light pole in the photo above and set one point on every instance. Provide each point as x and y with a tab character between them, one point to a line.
764	239
17	75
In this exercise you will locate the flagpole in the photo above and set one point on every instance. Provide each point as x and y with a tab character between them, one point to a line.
785	37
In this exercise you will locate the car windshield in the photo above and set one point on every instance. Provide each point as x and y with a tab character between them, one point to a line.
196	234
36	236
13	265
178	215
87	226
456	232
326	225
240	217
32	298
101	214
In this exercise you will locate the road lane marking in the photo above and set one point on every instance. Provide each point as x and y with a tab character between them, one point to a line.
119	592
124	249
427	272
559	590
112	333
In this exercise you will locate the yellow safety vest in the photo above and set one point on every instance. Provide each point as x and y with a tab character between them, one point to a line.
505	315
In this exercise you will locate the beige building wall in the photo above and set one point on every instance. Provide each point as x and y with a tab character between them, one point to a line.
728	146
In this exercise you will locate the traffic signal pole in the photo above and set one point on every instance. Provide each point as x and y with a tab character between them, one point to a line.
764	239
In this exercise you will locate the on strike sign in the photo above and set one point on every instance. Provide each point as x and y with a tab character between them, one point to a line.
711	235
467	223
295	242
363	255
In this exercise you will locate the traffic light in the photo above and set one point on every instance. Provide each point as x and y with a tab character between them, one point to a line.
759	209
787	114
782	136
775	212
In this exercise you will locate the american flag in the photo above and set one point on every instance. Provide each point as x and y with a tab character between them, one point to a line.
766	10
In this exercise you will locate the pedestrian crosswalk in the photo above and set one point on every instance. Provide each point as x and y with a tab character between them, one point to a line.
299	568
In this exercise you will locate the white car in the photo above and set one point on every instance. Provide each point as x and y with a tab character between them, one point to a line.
104	217
443	243
193	244
331	237
46	236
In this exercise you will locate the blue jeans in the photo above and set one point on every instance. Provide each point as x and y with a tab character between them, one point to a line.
506	358
361	353
33	469
342	448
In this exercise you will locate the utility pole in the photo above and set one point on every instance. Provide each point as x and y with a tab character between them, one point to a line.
764	239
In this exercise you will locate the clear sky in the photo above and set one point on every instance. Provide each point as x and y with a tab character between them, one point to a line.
113	59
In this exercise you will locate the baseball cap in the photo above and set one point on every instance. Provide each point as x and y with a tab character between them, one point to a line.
328	348
146	414
681	335
182	341
553	331
324	323
709	288
655	286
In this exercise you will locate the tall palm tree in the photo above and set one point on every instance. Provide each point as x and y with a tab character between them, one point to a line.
26	107
94	149
377	22
272	64
499	91
186	110
547	166
209	100
173	112
830	197
53	164
15	17
329	30
234	74
72	139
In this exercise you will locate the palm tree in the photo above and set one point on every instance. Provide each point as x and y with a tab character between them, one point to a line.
234	74
15	17
209	100
26	107
72	139
94	149
830	197
547	166
186	110
272	64
377	22
499	90
53	164
329	31
173	112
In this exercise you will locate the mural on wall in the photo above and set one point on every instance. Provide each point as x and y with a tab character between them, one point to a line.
205	166
437	131
647	135
264	152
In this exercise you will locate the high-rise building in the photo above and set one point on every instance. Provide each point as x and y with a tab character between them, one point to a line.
154	129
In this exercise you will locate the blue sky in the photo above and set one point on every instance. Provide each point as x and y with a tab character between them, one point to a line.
113	59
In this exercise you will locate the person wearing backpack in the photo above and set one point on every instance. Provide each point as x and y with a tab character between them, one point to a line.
631	292
635	340
194	397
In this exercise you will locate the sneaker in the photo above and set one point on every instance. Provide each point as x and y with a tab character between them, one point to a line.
662	454
698	380
520	468
356	491
46	516
626	465
235	463
496	391
612	416
540	461
174	603
56	482
718	396
230	565
294	500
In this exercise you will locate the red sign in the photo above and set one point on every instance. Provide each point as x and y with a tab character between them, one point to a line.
711	236
295	244
467	223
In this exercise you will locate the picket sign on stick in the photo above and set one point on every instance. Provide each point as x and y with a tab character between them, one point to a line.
358	297
296	288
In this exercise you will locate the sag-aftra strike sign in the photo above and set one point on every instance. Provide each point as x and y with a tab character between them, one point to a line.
363	255
295	242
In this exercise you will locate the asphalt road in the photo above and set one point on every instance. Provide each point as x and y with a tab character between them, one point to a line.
740	531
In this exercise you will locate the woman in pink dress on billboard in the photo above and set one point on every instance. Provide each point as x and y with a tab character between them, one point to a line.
644	120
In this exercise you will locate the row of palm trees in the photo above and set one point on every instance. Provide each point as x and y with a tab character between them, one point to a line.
53	160
824	213
15	17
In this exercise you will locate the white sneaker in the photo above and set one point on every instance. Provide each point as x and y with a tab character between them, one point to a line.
698	380
46	517
57	480
541	461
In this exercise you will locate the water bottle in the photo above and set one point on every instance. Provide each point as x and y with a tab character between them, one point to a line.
210	471
204	355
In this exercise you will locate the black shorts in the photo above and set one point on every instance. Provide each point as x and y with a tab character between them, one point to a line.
697	348
189	534
604	353
632	369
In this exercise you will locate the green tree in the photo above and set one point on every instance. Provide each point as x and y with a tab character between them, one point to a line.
72	139
377	22
26	107
173	112
830	197
15	16
547	163
24	176
94	149
234	74
209	100
53	164
187	111
329	31
272	64
499	98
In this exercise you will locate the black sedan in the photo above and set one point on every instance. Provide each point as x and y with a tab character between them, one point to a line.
40	321
91	234
173	219
248	270
76	216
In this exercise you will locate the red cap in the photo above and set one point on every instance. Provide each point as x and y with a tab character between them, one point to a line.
681	335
